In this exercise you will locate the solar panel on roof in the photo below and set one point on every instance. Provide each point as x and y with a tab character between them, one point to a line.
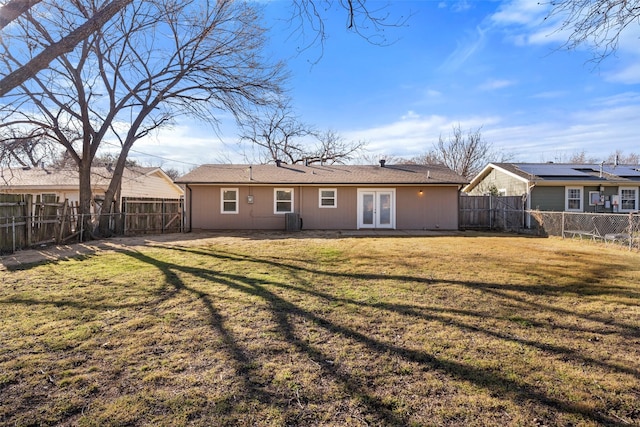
553	169
626	171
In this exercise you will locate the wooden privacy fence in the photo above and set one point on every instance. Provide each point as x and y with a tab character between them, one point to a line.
25	223
145	215
492	213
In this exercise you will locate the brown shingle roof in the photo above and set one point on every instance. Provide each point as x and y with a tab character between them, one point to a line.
322	174
61	178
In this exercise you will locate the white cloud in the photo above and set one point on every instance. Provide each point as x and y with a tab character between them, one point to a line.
606	125
526	13
413	134
629	74
495	84
464	50
550	94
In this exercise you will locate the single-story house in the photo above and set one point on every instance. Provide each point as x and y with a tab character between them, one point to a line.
563	187
325	197
64	183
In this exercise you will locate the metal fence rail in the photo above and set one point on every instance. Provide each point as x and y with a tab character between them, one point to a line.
623	229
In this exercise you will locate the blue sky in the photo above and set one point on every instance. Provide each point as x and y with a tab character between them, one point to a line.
494	65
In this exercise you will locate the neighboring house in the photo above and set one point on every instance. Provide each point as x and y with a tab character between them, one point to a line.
64	183
563	187
336	197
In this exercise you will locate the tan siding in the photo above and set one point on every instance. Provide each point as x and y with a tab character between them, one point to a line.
258	215
149	186
436	208
342	217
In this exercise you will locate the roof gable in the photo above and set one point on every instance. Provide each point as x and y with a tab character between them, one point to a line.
562	172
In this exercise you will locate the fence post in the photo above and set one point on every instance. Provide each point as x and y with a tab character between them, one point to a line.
13	232
630	230
162	216
562	226
490	212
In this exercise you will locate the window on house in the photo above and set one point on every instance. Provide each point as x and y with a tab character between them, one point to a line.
229	200
283	200
573	199
628	199
328	197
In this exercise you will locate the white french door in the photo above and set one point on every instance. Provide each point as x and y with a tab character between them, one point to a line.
376	208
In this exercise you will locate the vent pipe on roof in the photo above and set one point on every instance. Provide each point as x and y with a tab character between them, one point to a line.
250	173
601	167
278	163
382	162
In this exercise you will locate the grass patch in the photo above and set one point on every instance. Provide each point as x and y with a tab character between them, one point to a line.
368	331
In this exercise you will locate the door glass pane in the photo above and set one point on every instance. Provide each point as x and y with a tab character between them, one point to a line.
367	209
385	209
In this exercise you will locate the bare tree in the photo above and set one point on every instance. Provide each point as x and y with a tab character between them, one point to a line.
54	48
13	9
279	135
25	149
619	158
463	153
333	148
154	61
276	133
84	71
581	158
361	18
366	18
597	23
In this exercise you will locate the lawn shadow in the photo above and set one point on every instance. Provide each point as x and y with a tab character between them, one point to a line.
282	309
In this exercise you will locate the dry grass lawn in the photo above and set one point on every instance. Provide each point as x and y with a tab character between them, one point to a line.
477	330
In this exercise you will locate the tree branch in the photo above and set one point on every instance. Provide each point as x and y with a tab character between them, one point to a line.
65	45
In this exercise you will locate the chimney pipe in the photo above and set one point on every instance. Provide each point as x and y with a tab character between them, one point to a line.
382	162
278	163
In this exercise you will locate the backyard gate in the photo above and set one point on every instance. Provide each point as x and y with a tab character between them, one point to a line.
147	215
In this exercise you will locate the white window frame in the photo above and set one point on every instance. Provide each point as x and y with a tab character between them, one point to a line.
275	200
566	199
635	204
594	195
236	201
334	198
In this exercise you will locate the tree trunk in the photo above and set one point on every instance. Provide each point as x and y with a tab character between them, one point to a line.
85	226
112	195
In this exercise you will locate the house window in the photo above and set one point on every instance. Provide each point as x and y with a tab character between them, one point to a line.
628	199
594	198
283	200
573	200
328	197
229	200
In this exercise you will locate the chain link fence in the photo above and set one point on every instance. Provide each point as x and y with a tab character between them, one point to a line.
621	229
